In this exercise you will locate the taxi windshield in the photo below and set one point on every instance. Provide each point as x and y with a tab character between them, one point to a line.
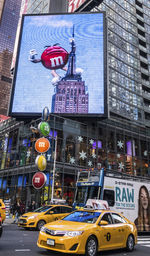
43	208
83	216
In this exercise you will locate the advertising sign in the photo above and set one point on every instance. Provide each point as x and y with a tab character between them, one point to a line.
74	4
61	64
41	162
39	180
131	199
42	145
44	128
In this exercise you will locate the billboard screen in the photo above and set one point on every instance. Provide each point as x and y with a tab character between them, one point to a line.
61	65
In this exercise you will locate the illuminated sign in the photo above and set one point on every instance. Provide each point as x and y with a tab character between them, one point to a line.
61	64
42	145
39	179
74	4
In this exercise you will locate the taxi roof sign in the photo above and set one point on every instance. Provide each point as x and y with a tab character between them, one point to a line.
97	204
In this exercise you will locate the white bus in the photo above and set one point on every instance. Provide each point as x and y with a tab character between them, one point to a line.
125	194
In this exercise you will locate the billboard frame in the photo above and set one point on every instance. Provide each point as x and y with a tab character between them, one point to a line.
23	115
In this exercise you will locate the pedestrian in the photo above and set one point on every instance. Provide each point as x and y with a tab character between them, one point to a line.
17	212
32	206
22	208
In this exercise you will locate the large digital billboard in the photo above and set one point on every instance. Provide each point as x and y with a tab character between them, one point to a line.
61	64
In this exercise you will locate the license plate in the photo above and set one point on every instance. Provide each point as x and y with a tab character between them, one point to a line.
50	242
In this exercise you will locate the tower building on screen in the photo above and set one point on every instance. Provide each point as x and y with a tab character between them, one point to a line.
71	93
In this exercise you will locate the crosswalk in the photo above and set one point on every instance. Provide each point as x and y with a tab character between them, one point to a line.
144	241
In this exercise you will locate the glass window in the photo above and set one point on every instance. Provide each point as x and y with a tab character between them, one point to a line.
107	217
66	209
109	196
42	209
56	209
117	218
69	150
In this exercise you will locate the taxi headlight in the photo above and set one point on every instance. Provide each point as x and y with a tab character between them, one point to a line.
43	229
31	218
73	233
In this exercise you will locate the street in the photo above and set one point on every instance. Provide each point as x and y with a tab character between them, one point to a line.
16	241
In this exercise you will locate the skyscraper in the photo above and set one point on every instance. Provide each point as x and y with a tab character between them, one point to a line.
128	32
47	6
9	15
71	95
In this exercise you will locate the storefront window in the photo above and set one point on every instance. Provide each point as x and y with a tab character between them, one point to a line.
70	150
128	165
120	143
81	150
120	162
135	144
92	153
144	168
110	140
136	166
59	157
69	188
144	152
102	158
58	183
112	164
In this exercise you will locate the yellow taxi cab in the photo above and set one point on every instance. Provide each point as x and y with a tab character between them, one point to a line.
1	228
2	210
87	232
43	215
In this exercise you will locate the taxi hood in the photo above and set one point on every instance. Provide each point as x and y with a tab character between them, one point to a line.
68	225
29	214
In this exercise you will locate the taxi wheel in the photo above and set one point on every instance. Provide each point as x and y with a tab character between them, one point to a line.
40	224
91	246
130	243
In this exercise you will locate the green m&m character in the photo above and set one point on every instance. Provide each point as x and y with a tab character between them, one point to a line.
44	128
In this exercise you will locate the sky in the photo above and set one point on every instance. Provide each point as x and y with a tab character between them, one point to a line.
33	87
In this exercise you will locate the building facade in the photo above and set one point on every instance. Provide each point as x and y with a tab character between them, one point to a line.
9	15
128	29
120	143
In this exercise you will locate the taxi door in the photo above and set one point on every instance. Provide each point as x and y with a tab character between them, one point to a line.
106	233
120	227
53	214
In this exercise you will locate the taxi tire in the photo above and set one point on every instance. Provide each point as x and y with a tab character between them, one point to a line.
130	243
93	241
39	224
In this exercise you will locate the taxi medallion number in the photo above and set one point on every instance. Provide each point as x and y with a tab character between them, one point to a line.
50	242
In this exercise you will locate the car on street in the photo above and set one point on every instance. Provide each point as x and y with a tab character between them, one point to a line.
2	210
43	215
1	229
87	232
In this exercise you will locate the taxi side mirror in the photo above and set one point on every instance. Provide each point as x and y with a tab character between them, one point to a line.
103	223
51	212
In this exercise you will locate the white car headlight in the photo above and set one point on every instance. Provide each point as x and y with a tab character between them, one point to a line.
73	233
31	218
